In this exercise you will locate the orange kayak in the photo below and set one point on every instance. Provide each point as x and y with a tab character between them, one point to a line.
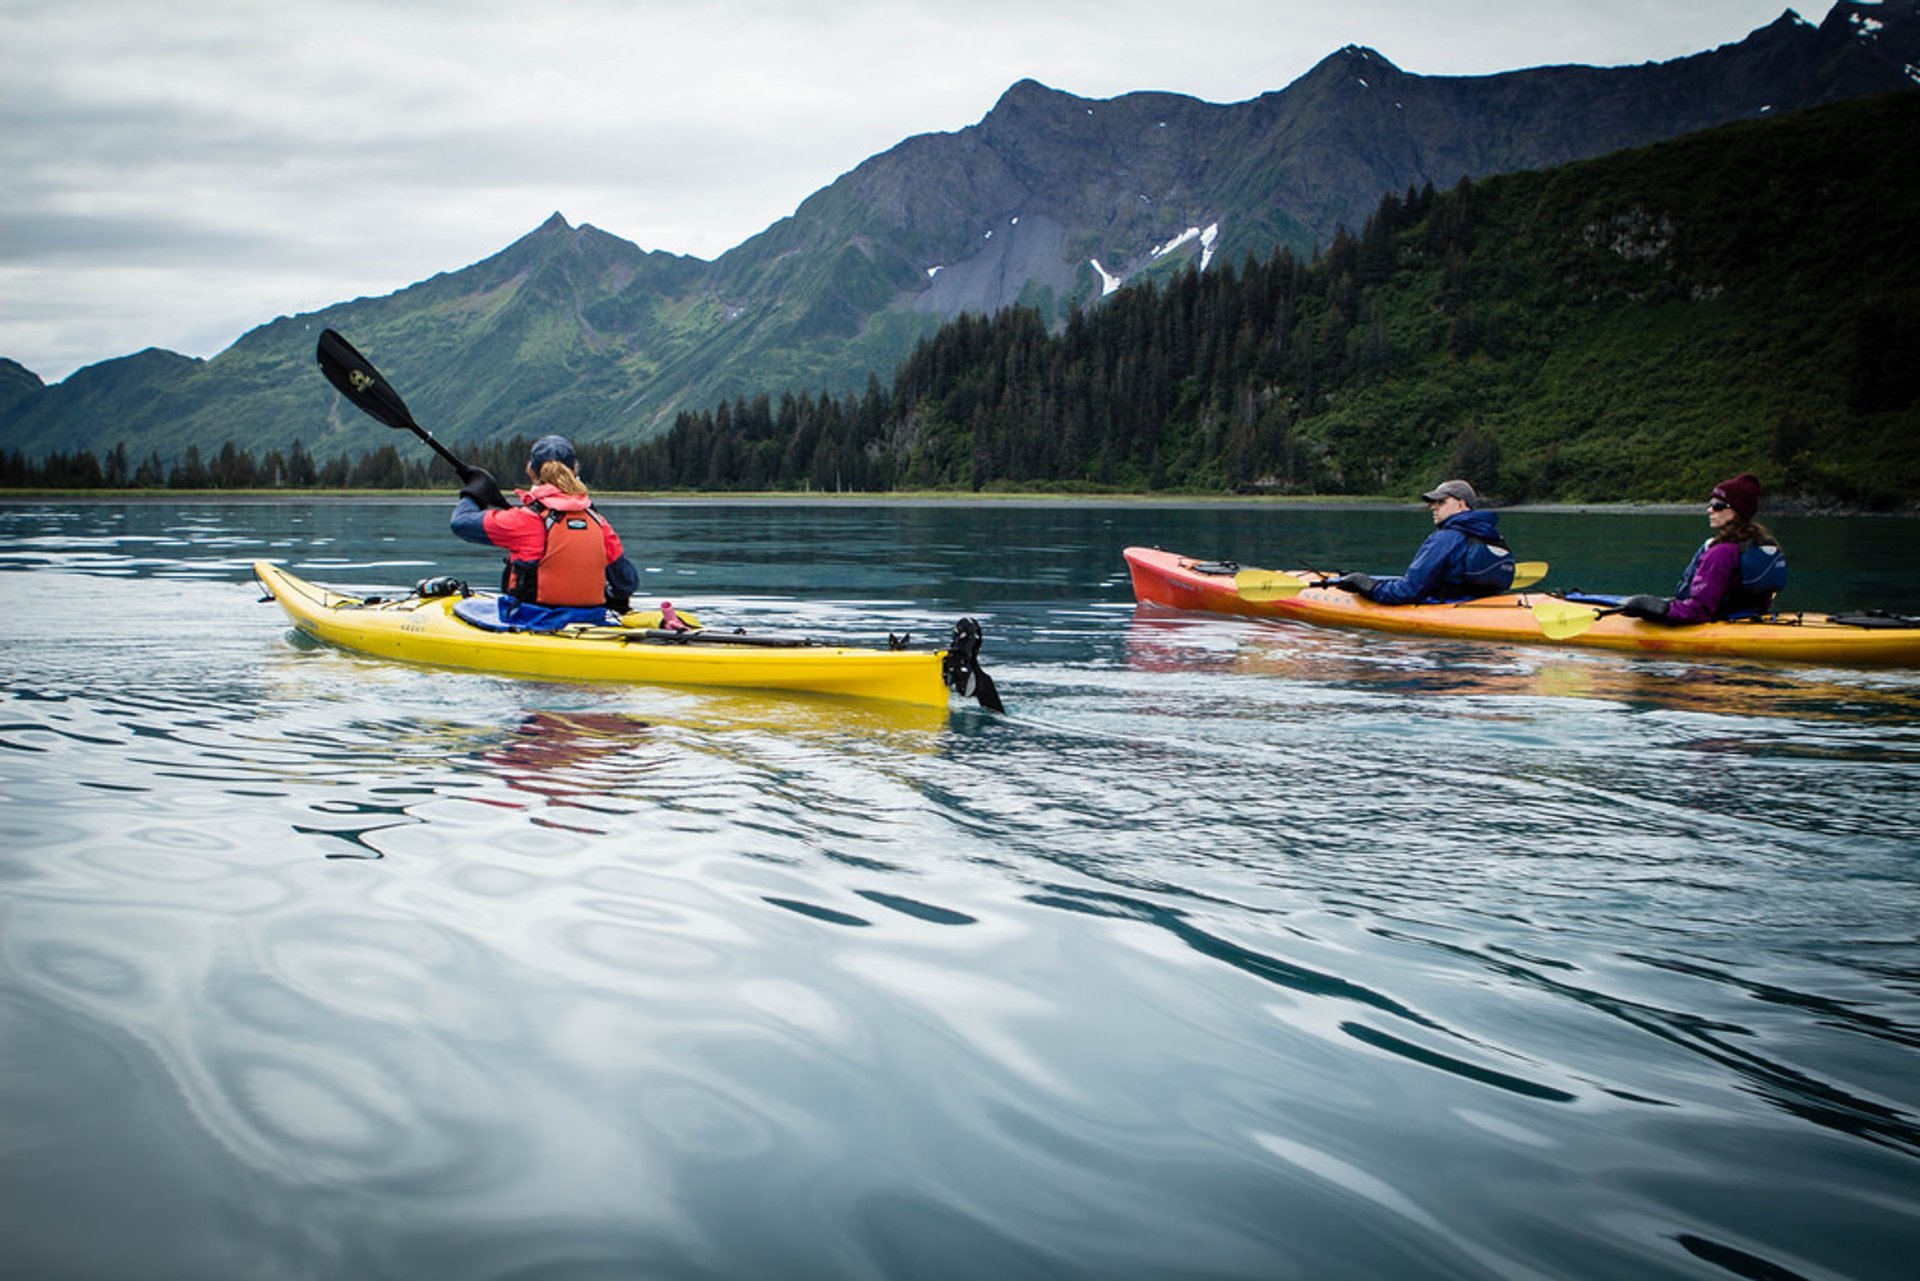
1183	582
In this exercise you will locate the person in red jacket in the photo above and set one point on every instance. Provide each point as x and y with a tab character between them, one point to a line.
565	563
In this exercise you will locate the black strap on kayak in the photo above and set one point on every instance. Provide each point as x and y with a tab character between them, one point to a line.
697	636
1227	567
962	671
1874	618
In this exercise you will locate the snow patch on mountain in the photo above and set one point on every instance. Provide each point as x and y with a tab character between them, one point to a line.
1207	238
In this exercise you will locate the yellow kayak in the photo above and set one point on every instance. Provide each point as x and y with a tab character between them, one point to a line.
426	629
1165	578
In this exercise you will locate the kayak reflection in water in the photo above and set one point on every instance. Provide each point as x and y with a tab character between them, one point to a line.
1736	572
1463	558
565	563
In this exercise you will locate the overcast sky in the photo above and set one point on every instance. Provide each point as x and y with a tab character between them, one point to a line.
175	172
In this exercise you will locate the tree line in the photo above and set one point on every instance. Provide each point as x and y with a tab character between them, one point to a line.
232	467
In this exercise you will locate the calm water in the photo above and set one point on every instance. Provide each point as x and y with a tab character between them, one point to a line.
1237	950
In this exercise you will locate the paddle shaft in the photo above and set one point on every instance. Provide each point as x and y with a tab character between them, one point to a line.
460	468
1269	585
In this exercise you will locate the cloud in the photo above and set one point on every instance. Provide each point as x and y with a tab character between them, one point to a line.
179	173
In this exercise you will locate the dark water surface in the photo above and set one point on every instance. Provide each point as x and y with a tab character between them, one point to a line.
1238	950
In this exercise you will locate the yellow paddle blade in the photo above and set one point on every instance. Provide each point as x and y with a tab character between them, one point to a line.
1561	619
1528	572
1268	584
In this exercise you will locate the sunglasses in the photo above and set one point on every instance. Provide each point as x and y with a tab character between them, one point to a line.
1718	504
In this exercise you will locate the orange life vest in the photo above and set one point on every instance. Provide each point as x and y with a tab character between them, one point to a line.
573	568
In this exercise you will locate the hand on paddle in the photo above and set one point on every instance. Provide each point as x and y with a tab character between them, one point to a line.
1565	619
478	484
1359	584
1651	608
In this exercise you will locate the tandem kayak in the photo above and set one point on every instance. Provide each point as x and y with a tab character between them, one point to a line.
1182	582
430	629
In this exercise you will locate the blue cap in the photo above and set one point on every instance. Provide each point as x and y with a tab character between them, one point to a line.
553	449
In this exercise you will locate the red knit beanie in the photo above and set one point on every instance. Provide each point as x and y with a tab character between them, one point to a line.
1742	493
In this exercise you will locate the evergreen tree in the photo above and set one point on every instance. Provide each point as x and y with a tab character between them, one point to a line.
301	473
190	472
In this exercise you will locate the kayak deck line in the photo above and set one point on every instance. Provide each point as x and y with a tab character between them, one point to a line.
1167	579
425	629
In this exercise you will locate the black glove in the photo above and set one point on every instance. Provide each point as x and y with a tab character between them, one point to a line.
478	484
623	580
1358	584
1652	608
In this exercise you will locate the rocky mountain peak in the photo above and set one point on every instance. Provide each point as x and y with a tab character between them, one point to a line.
1027	95
1888	30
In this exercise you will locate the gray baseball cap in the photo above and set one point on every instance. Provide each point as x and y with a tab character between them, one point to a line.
1452	489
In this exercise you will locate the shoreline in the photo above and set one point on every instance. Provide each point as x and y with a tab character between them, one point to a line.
630	498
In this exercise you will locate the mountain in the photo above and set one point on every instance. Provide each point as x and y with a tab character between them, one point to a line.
1632	327
1051	200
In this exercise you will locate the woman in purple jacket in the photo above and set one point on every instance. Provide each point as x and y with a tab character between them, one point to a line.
1736	571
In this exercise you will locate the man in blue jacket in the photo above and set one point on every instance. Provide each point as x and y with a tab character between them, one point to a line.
1463	557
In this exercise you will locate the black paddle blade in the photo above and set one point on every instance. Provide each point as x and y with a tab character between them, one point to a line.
361	383
962	670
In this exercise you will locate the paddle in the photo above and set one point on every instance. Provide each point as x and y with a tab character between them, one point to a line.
361	383
1562	619
1268	584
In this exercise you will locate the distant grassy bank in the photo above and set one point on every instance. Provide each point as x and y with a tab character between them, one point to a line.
926	497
